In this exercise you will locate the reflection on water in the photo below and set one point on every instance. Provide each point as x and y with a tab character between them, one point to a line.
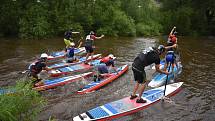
194	102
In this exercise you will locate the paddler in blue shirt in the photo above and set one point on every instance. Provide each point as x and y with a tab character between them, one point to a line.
105	68
171	49
71	53
145	58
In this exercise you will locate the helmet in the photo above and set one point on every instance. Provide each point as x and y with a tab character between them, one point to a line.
161	49
72	44
111	56
92	33
44	55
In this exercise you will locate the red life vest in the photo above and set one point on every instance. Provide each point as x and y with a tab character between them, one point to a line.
105	59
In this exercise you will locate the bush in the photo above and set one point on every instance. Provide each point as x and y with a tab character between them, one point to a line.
148	29
22	105
124	24
34	23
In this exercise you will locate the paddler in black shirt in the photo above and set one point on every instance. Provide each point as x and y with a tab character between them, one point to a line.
145	58
37	67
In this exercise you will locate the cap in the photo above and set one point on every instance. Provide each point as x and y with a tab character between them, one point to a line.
111	56
44	55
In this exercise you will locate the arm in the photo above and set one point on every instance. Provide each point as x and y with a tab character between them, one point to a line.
159	70
80	42
173	29
99	37
47	68
75	32
173	46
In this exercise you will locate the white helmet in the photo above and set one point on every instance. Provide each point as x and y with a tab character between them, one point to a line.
72	44
44	55
111	56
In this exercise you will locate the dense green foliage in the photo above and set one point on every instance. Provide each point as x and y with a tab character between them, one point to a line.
23	105
46	18
192	17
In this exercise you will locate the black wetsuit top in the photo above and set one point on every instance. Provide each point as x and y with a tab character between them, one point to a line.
37	67
145	59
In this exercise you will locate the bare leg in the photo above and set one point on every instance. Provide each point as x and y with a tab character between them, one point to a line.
91	55
135	88
165	66
87	56
142	89
173	65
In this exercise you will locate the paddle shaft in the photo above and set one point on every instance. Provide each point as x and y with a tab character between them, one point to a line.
166	79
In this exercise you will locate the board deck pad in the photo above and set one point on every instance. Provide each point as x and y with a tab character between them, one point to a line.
72	68
7	91
50	83
82	59
159	79
61	53
122	106
75	68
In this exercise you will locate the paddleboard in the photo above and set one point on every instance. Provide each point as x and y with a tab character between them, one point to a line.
51	83
107	79
80	60
7	91
74	68
61	54
159	79
126	106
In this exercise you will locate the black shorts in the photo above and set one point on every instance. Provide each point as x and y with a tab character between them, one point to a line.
139	76
34	77
89	49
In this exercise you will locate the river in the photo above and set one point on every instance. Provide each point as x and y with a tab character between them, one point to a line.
196	101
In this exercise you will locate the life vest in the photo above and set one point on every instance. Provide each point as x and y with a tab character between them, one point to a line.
34	68
144	53
89	40
171	41
105	59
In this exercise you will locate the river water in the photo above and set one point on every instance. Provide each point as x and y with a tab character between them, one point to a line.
194	103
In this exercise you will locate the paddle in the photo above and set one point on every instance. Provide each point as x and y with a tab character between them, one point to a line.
166	80
80	42
23	72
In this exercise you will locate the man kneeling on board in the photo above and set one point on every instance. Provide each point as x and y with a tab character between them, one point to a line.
71	53
145	58
106	68
37	67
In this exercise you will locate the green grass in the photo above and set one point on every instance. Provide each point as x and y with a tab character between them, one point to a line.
23	105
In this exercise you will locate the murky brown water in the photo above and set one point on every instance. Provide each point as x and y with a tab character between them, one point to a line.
194	103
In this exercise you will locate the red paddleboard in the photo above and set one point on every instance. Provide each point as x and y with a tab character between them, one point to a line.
107	79
126	106
51	83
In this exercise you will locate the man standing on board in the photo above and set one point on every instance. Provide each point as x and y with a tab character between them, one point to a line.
68	37
145	58
89	44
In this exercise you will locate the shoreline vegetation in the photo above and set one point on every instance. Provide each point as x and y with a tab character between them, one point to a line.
39	19
23	104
